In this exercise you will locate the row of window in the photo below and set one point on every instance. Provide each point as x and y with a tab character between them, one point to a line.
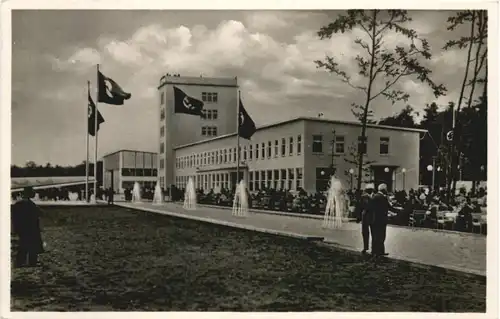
210	97
209	114
286	179
339	145
209	131
247	153
139	171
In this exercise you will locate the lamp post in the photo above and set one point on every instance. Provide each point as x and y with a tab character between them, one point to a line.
404	177
430	168
351	172
438	174
386	170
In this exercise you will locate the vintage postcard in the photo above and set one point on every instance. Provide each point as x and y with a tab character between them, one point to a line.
229	160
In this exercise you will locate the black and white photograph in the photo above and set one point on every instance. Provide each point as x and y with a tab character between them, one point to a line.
277	160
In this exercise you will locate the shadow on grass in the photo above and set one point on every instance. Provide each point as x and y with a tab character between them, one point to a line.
117	259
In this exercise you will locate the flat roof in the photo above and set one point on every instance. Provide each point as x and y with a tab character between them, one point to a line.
126	150
311	119
198	81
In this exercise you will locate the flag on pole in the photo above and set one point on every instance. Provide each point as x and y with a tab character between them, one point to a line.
91	119
186	104
110	92
246	126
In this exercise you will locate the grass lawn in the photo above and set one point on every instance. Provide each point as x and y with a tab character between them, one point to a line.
111	259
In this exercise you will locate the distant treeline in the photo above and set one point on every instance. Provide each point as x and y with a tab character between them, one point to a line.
31	169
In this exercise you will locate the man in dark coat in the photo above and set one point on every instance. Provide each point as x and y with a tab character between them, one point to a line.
26	224
380	207
365	215
110	194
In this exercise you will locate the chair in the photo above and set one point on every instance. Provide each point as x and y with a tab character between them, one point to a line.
417	217
477	222
440	220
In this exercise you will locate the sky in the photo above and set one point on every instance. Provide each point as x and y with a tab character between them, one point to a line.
54	54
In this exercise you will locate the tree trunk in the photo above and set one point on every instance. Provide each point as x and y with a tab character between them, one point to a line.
364	119
453	180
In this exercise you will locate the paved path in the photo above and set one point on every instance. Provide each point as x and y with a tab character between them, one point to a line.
458	251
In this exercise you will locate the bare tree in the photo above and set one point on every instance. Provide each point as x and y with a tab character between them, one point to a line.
381	67
353	159
478	24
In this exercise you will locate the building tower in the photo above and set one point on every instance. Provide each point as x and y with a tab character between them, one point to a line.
219	96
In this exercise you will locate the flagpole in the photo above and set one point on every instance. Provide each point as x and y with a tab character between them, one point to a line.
96	115
87	142
238	136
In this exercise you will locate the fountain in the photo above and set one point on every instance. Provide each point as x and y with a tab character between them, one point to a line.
136	193
158	195
190	195
240	202
335	205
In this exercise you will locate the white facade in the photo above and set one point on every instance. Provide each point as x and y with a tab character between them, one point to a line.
220	102
123	168
298	153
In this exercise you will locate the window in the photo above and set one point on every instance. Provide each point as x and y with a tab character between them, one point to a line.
250	152
162	148
339	145
298	181
276	178
234	155
212	158
214	114
209	97
283	147
269	178
290	178
162	114
209	114
209	131
283	178
203	114
269	149
384	145
127	172
317	146
244	153
299	144
262	150
162	98
162	131
250	181
162	163
276	148
290	146
262	179
322	178
362	145
257	180
225	156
